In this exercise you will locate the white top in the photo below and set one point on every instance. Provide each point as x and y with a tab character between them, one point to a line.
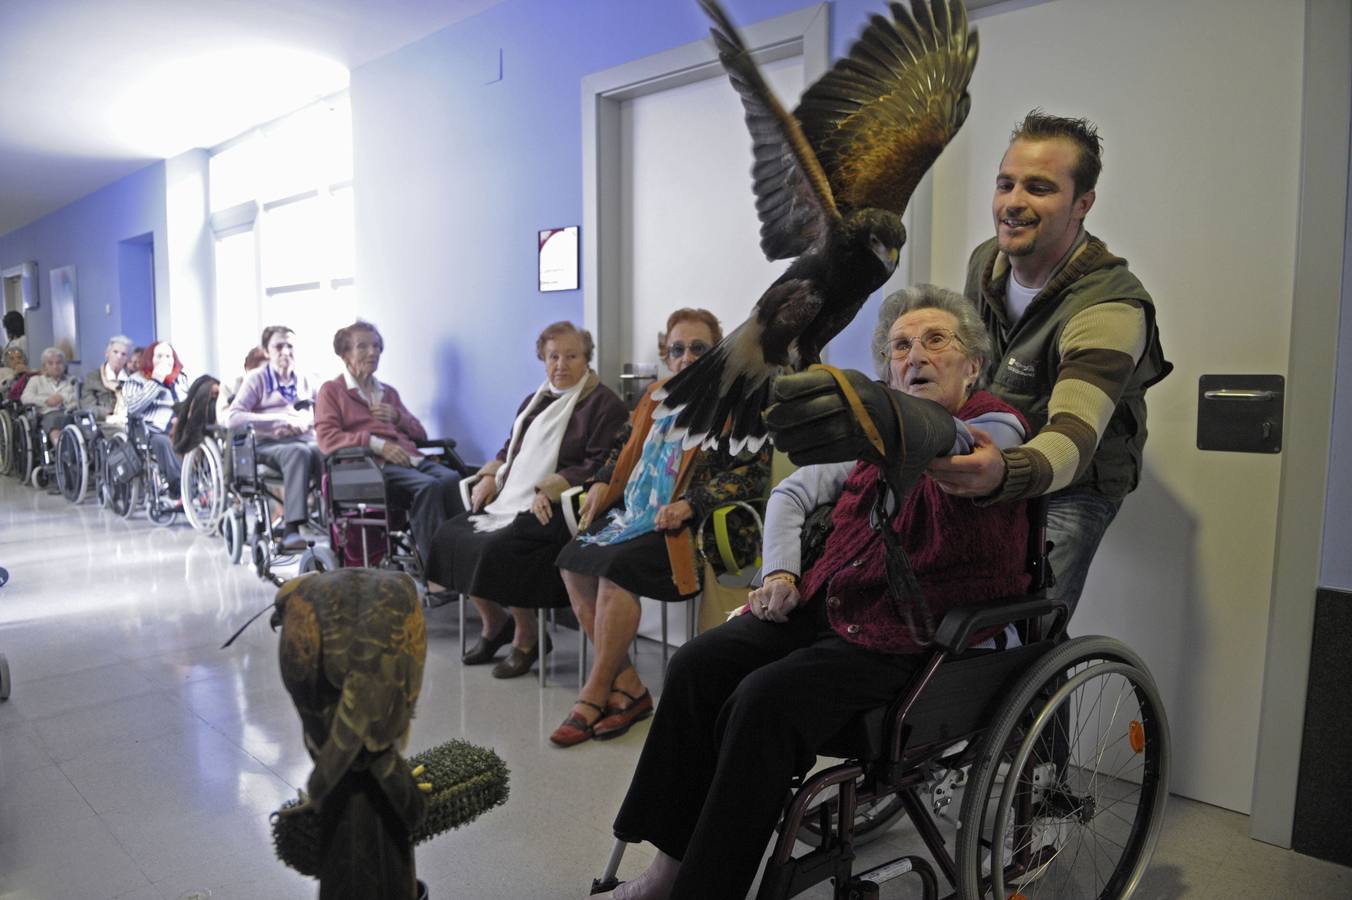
1018	297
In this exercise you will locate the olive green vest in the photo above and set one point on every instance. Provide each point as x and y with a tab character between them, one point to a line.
1027	357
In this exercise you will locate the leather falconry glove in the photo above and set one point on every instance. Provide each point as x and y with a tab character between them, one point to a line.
827	415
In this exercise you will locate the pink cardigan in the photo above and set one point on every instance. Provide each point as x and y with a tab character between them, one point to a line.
342	419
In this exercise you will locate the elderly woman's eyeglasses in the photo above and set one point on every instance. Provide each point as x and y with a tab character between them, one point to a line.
931	341
696	348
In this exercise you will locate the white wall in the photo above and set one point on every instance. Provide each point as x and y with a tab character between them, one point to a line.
1198	104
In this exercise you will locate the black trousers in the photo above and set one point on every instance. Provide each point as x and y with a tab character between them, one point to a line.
744	709
431	494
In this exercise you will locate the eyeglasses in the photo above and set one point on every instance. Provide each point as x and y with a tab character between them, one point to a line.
696	348
932	342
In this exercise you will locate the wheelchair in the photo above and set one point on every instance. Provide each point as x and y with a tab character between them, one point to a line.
249	489
133	479
8	449
204	491
33	458
81	458
1059	747
365	528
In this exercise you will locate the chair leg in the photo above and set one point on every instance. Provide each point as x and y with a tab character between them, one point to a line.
666	648
464	646
607	881
581	656
539	640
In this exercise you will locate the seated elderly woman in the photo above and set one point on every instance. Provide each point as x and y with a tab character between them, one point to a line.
358	410
14	369
277	401
645	548
151	394
52	391
102	392
501	553
225	395
746	705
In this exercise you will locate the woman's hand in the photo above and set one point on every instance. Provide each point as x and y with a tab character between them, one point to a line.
485	489
542	507
591	506
55	400
162	371
396	454
674	515
384	412
774	599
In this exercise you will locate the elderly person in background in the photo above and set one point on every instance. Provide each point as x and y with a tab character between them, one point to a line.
256	357
746	706
502	552
13	365
645	547
278	402
151	394
357	410
102	393
134	361
53	393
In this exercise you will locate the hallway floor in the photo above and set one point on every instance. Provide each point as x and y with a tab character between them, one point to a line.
139	761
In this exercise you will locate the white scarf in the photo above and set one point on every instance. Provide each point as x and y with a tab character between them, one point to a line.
536	458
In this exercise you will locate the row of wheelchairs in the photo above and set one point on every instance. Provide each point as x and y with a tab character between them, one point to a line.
225	490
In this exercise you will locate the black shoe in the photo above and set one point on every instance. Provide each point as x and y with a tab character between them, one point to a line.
488	647
434	599
519	661
293	541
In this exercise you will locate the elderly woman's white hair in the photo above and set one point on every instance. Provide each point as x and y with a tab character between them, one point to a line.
971	331
53	353
120	339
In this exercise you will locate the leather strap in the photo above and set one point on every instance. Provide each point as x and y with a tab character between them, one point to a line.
856	406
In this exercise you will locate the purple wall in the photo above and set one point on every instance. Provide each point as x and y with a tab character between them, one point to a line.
86	234
454	175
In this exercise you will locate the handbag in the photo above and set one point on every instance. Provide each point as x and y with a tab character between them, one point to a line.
124	463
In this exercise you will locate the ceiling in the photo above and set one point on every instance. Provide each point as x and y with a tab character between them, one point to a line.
92	90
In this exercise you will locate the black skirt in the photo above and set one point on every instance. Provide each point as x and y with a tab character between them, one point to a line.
513	566
639	565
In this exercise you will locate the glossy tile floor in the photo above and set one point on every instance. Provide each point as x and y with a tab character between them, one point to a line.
139	761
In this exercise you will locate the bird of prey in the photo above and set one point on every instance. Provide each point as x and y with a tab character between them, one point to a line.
831	180
352	649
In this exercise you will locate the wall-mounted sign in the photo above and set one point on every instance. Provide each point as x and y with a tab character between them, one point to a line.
558	259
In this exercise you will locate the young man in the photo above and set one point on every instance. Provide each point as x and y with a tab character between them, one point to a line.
1076	346
278	402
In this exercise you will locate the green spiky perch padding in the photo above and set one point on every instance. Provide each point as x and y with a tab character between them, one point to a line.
466	780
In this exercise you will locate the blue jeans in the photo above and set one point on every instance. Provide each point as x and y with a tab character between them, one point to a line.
431	494
1076	521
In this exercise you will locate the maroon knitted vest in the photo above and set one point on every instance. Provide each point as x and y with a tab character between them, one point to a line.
962	554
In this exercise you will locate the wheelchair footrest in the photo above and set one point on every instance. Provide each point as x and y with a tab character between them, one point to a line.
865	885
802	872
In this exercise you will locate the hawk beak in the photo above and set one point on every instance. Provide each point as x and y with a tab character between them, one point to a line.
893	254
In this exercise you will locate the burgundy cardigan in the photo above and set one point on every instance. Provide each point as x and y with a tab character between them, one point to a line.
962	554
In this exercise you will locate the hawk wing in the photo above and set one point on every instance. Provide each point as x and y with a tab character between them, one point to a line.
793	195
883	114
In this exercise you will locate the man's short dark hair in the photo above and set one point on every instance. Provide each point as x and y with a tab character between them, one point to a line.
271	330
1040	126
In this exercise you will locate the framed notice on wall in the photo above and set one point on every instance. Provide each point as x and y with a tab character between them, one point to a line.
558	259
65	312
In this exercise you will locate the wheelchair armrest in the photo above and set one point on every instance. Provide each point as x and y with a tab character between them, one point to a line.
958	625
352	453
466	486
445	447
572	500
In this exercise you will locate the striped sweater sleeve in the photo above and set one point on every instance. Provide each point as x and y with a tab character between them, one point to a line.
1099	349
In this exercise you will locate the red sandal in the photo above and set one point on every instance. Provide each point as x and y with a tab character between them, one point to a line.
575	729
619	720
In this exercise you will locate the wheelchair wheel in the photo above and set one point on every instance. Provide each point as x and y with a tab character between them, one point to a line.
203	487
260	555
5	681
159	506
1070	782
318	559
6	442
41	477
232	532
24	451
871	820
72	464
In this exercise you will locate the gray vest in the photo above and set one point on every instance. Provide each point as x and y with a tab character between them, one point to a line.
1026	355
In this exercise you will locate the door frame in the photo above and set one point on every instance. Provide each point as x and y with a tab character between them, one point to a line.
803	33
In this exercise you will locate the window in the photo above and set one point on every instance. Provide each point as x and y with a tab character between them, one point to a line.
282	212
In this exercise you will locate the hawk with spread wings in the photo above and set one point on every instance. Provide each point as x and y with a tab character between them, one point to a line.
831	180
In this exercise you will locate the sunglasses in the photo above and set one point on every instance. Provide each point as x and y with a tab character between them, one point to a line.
696	348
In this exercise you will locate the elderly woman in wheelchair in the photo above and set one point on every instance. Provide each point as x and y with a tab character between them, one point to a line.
660	496
53	392
748	706
82	445
151	394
